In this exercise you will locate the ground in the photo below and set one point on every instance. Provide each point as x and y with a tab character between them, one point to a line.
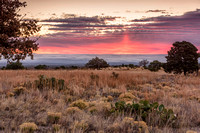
81	100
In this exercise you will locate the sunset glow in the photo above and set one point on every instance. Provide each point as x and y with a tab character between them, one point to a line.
114	26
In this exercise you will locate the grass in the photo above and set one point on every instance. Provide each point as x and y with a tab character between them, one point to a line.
83	104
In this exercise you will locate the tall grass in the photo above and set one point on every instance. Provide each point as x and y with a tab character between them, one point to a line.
180	93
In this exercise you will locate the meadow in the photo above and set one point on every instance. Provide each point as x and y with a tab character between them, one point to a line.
91	101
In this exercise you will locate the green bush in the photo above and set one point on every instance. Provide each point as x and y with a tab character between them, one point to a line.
39	67
145	111
155	66
14	66
49	83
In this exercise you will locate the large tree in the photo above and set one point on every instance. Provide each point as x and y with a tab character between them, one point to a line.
15	32
182	57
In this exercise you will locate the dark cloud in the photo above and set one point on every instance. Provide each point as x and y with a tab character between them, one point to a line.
159	11
167	29
187	17
71	18
67	40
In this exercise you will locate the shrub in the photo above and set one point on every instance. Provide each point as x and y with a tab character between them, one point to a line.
129	122
53	117
114	75
144	110
131	66
110	98
19	90
73	110
155	66
14	66
49	83
28	127
94	77
56	127
115	92
40	67
82	125
80	104
127	97
114	128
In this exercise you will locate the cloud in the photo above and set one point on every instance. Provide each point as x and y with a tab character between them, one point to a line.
157	11
72	18
168	28
154	34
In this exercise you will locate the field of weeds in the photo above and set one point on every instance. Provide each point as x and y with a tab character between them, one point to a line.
98	101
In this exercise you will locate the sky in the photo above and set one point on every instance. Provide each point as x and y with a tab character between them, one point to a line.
114	26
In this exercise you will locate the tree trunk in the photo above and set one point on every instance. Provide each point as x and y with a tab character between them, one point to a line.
185	72
197	72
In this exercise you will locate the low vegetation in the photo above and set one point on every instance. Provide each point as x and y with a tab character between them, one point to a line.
98	101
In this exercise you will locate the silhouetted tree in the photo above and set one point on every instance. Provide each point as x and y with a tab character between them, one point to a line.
97	63
16	32
143	63
155	65
182	57
14	66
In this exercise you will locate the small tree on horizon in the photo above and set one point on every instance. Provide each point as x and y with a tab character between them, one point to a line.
15	32
182	57
144	63
97	63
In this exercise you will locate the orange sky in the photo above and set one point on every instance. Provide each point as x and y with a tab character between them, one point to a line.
123	47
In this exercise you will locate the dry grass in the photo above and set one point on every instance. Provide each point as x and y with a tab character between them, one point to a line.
84	103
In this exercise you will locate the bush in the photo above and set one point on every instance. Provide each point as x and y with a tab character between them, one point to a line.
127	97
49	83
14	66
40	67
155	66
146	111
115	75
53	118
73	110
28	127
80	104
19	90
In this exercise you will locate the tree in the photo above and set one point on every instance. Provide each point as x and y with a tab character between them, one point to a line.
182	57
15	32
97	63
14	66
143	63
155	66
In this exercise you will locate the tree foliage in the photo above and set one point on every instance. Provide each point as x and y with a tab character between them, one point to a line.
182	57
97	63
155	65
15	32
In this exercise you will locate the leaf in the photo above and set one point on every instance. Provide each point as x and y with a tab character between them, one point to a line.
161	107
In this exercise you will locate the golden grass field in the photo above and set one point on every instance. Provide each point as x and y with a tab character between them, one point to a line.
70	110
